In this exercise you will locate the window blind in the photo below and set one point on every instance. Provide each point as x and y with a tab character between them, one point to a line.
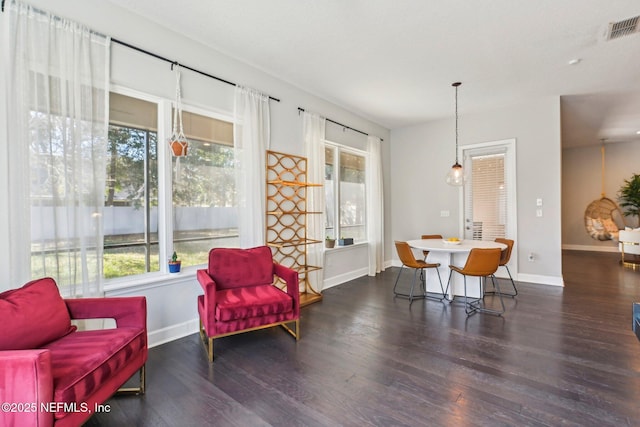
486	197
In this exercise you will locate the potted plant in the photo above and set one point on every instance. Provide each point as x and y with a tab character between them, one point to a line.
174	263
329	242
629	196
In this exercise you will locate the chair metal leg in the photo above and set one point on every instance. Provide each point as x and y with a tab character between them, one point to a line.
513	284
413	284
433	297
470	307
397	278
446	291
410	295
478	305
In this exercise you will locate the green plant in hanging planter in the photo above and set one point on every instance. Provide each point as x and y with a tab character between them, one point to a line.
629	196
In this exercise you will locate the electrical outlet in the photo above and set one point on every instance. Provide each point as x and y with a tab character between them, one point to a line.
531	257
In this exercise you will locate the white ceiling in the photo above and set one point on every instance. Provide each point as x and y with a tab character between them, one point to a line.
393	61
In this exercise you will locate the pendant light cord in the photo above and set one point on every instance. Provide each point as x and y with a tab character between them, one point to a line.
457	122
456	84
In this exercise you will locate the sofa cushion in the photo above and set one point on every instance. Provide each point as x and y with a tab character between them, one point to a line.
233	267
251	301
33	315
82	361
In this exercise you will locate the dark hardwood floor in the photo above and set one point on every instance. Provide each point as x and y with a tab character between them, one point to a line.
559	356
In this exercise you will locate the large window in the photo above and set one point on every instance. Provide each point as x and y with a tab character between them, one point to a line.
204	207
203	212
345	193
131	196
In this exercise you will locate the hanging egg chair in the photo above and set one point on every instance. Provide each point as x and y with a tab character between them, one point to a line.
603	218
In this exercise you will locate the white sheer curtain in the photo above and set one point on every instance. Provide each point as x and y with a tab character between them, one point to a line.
375	206
251	133
59	82
313	131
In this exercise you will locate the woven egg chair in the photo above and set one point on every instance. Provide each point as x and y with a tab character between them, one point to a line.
603	219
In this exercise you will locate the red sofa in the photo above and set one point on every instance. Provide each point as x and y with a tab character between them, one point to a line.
51	374
239	295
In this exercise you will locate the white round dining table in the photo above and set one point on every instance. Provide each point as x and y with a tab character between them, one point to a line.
447	253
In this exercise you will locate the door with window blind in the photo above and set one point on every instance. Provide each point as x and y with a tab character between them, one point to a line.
489	192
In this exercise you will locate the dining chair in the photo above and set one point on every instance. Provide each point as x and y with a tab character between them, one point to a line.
505	256
409	260
429	236
481	263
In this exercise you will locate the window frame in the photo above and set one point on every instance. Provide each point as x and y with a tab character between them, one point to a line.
165	188
338	149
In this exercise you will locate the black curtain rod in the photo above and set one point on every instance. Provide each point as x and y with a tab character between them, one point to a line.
300	109
173	63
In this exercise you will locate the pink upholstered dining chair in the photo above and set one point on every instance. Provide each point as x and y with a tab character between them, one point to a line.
239	294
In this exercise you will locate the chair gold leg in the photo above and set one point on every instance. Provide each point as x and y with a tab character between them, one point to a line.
296	333
136	390
207	342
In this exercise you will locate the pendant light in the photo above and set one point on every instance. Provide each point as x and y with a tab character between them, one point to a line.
455	176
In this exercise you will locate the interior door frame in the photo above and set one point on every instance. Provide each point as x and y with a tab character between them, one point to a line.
509	145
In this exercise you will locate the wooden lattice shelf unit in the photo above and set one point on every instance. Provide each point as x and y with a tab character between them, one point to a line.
286	222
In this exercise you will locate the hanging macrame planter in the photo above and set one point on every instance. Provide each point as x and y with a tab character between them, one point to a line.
178	142
603	219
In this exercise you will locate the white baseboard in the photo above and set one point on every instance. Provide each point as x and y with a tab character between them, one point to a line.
540	280
172	332
343	278
529	278
591	248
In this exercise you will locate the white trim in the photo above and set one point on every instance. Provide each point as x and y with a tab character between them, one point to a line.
347	148
343	278
343	248
540	280
511	176
132	284
522	277
173	332
165	185
133	93
337	149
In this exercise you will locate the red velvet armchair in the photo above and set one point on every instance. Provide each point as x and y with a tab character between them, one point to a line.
239	295
54	375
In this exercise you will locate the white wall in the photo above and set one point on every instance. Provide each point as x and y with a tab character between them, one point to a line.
171	301
582	184
421	156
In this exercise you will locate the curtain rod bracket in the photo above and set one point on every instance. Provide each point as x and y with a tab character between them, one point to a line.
344	127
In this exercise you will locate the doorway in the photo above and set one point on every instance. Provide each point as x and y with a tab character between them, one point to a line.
489	206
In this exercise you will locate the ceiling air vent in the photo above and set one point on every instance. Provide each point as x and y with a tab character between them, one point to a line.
623	28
